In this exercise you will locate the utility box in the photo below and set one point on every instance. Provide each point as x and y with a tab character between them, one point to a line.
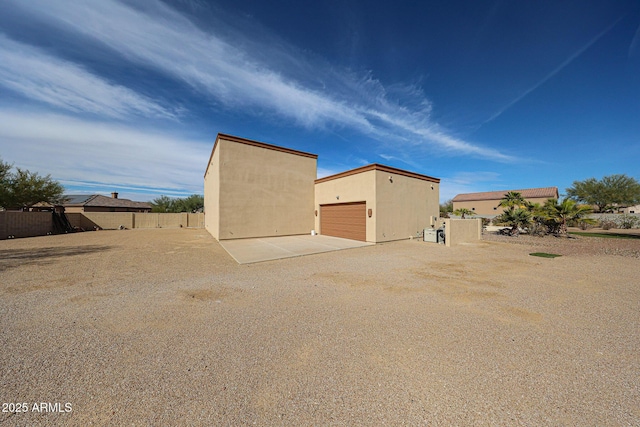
430	235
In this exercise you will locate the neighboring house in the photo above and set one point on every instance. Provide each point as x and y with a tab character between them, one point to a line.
100	203
631	209
486	203
252	189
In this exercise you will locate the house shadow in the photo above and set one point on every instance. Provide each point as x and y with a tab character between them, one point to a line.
11	258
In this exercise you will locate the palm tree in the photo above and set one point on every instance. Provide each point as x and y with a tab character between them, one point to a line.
462	212
517	218
564	212
513	199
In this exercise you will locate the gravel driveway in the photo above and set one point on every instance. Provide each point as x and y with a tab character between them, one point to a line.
162	327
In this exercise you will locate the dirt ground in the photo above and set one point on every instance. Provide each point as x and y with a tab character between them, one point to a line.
162	327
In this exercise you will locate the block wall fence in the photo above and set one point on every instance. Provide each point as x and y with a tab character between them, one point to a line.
30	224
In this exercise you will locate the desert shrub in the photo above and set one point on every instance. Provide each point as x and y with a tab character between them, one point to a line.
499	220
485	222
607	224
538	228
584	226
627	221
581	223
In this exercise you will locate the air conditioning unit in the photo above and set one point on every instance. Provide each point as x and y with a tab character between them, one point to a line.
430	235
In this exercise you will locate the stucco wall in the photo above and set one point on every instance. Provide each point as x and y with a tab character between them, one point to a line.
262	192
353	188
405	206
212	195
462	231
401	207
486	207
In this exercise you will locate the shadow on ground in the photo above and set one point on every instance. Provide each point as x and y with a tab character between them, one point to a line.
15	257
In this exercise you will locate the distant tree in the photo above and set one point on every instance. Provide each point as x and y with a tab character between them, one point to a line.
193	203
619	190
22	189
446	206
462	212
163	204
5	170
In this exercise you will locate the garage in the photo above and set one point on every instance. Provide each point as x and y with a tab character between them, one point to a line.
346	220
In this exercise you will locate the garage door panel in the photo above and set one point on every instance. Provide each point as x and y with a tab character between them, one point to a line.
346	220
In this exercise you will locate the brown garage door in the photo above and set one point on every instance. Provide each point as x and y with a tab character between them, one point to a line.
346	220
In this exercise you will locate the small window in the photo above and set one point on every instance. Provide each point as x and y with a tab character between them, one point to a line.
632	211
473	209
495	209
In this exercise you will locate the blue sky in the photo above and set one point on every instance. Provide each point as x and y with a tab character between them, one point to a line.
128	96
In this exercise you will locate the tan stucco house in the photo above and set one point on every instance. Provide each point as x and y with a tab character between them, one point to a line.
486	203
253	189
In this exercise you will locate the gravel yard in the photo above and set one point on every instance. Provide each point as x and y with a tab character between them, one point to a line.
162	327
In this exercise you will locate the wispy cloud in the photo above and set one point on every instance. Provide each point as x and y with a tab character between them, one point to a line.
245	74
85	151
467	182
322	172
39	76
555	71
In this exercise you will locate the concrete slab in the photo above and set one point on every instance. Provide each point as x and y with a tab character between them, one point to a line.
247	251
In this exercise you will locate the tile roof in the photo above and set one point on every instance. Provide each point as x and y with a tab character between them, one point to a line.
98	200
527	193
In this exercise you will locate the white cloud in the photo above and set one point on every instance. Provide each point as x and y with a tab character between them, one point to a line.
323	172
36	75
84	152
239	74
468	182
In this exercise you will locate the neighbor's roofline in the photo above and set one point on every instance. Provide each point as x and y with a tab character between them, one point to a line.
91	201
255	144
499	194
378	167
89	198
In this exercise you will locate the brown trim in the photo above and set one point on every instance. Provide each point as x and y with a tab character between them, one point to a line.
255	144
344	204
379	167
